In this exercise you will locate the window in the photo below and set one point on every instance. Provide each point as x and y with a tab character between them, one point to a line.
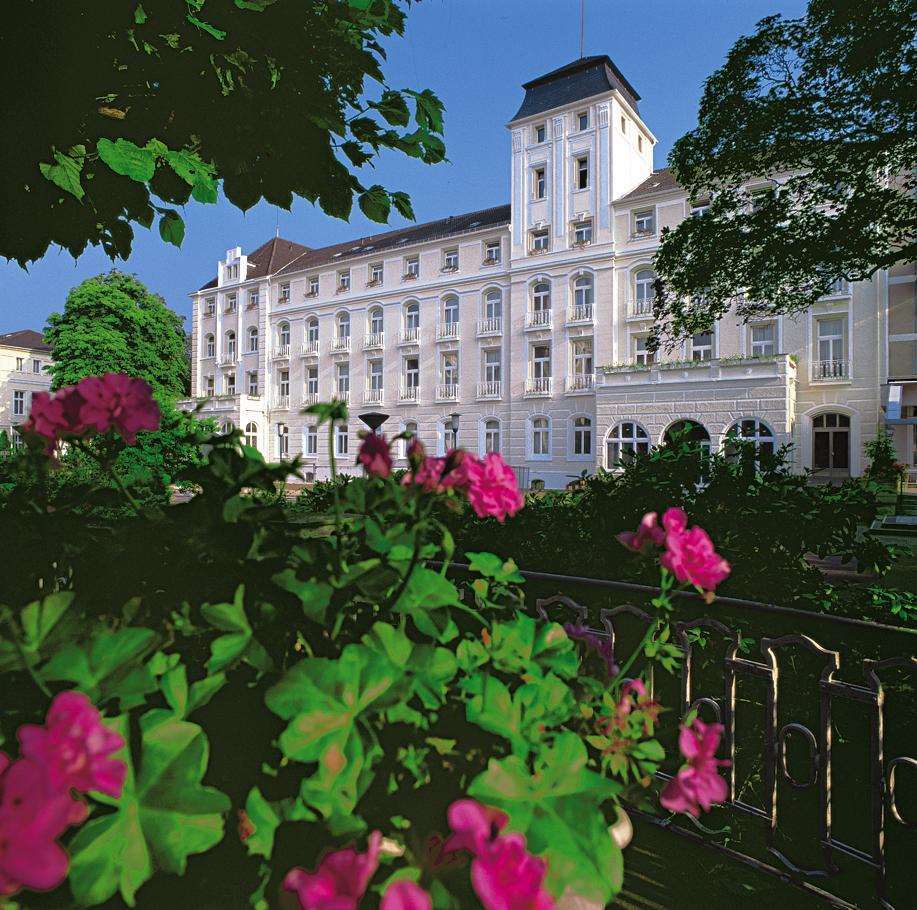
21	360
750	434
231	345
582	358
375	375
376	321
210	306
625	440
582	172
492	252
688	433
36	365
540	132
310	442
341	439
450	260
230	383
644	292
541	437
253	299
18	403
702	346
313	286
582	436
343	326
492	365
831	362
582	232
583	296
251	435
412	317
253	382
283	440
376	273
764	339
541	300
411	373
493	305
284	384
641	354
449	369
283	334
539	183
541	362
491	436
451	311
700	208
411	266
639	143
410	432
831	445
644	222
231	303
759	198
344	280
342	371
252	339
233	272
624	124
312	331
284	296
312	380
582	120
540	240
210	346
208	386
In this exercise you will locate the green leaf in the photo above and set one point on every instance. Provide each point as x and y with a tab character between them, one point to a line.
40	617
491	566
264	820
65	173
422	599
375	203
239	645
198	174
164	815
402	203
128	159
211	30
314	595
171	227
393	108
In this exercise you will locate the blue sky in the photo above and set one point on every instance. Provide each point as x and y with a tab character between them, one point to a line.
474	54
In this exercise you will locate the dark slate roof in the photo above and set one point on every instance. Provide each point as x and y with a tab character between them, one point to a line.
26	338
403	237
583	78
269	258
662	181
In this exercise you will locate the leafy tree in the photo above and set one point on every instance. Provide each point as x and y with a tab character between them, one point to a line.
816	116
148	104
113	324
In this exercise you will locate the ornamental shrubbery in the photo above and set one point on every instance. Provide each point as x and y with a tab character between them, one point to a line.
381	735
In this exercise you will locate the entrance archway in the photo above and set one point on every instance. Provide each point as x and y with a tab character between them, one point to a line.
831	447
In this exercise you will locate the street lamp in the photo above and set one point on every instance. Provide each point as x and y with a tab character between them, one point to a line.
454	425
374	420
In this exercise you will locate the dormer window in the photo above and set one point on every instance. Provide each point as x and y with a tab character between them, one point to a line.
541	133
411	267
582	120
540	240
344	280
450	260
582	232
644	222
582	172
313	286
284	296
376	273
232	272
539	183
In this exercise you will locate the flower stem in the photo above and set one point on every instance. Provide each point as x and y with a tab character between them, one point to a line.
23	657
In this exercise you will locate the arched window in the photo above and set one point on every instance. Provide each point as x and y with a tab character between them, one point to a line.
251	435
644	291
231	345
541	437
625	440
283	334
451	310
583	292
688	432
491	436
226	427
541	297
376	320
210	346
582	436
253	339
283	440
750	433
412	316
493	305
343	323
312	330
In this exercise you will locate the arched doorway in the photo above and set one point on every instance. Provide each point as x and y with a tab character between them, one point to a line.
688	432
831	447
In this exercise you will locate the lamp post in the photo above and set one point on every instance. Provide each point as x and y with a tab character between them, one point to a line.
374	420
454	426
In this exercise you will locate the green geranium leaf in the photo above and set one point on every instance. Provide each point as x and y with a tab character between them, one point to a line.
40	617
522	645
264	821
314	595
239	644
165	814
491	566
426	593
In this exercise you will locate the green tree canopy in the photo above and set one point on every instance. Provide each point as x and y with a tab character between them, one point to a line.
113	324
806	148
123	109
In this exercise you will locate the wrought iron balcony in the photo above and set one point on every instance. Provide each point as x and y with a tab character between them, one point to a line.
830	370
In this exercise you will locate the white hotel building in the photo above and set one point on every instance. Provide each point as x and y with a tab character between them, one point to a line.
529	320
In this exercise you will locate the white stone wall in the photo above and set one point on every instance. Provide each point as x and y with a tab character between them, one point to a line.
25	380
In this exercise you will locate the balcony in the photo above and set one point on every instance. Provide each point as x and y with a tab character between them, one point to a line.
251	305
229	311
489	391
538	388
372	396
830	370
409	336
491	260
493	326
580	315
227	360
538	319
280	352
309	349
410	394
447	392
840	288
283	401
340	344
373	340
640	309
580	382
447	331
310	398
342	395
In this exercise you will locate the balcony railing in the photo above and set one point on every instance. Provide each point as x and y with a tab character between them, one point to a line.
489	390
830	370
310	398
409	336
372	396
540	386
309	349
493	326
581	313
340	344
447	392
342	395
228	359
283	401
410	392
581	382
538	319
447	331
639	309
282	350
373	340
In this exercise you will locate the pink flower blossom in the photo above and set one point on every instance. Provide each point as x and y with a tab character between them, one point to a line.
405	895
55	417
32	818
689	553
340	880
473	825
647	535
120	402
492	488
698	785
375	456
505	876
75	747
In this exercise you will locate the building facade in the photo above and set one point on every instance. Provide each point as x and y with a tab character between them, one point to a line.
530	320
24	362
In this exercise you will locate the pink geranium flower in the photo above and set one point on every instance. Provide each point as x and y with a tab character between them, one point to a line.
56	417
473	825
75	748
698	785
690	555
375	455
648	534
340	880
492	488
505	876
120	402
405	895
